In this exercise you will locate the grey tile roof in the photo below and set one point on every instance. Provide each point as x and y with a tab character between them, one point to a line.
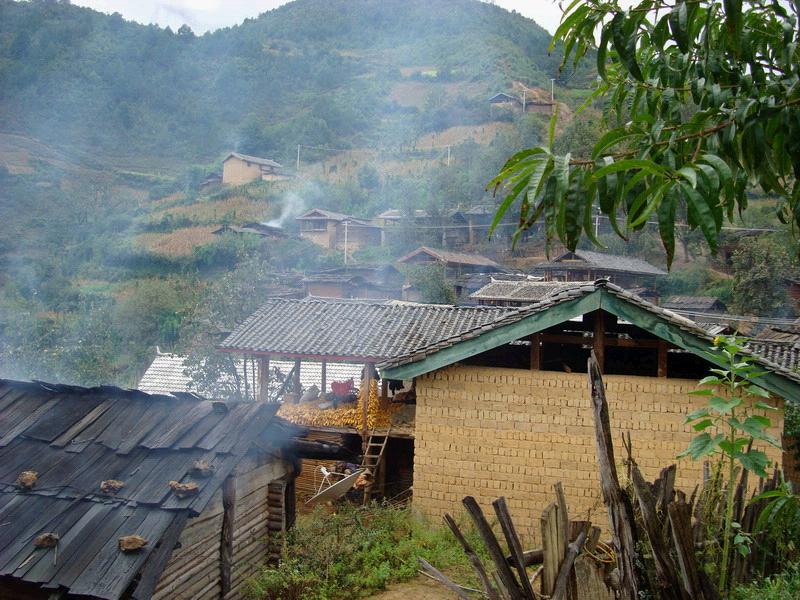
785	354
74	438
353	329
574	291
447	256
518	291
256	160
698	303
588	259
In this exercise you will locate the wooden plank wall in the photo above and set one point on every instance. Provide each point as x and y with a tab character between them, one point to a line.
193	571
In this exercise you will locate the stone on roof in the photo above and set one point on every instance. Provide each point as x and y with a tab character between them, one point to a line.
76	437
352	329
447	256
587	259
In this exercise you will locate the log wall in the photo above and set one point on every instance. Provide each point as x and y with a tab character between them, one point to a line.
193	571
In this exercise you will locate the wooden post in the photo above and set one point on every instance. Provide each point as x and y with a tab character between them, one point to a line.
244	374
620	511
599	341
367	381
662	358
536	352
324	382
296	387
384	394
263	379
226	543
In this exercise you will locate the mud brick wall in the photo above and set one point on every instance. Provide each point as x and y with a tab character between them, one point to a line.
491	432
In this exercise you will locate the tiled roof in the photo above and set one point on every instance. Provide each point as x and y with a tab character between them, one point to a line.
784	354
256	160
518	291
321	213
353	329
780	333
446	256
575	291
598	260
167	374
74	438
692	303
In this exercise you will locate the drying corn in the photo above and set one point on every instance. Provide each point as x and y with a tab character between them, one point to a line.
347	415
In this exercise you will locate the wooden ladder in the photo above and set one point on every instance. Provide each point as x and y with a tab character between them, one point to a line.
373	460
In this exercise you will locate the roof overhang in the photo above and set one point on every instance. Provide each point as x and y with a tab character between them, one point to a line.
599	299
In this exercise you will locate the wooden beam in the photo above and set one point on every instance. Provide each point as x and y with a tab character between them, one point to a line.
384	394
150	573
536	352
263	378
296	384
579	340
496	337
599	339
226	542
662	358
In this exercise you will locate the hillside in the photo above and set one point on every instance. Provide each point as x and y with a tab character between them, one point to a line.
341	72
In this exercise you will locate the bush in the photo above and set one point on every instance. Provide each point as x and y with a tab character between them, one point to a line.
357	551
785	586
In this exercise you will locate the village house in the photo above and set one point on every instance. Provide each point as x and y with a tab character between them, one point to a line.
533	103
238	169
111	493
500	395
382	282
259	229
695	306
516	292
587	265
336	231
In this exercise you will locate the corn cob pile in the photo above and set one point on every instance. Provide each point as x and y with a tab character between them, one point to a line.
347	415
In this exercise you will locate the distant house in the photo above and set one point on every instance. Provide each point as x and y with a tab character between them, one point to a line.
366	282
208	487
519	292
394	216
457	267
338	231
238	169
532	103
695	304
260	229
210	182
585	265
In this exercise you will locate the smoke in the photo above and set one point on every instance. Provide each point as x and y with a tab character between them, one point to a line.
294	203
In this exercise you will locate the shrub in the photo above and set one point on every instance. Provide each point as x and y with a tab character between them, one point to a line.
356	551
785	586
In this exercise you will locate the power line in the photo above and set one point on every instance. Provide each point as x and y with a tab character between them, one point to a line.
730	317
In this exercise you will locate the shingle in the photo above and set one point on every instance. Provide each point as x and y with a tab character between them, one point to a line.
449	257
518	291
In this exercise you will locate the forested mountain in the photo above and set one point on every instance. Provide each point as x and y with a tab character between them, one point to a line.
315	72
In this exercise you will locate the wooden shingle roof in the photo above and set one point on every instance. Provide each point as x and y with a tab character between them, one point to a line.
74	438
450	257
589	260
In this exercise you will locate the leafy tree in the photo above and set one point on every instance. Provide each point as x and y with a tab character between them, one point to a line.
703	97
432	284
760	266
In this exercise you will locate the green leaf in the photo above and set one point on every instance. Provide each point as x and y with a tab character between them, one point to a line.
678	24
754	390
723	406
755	461
765	406
702	425
551	129
703	214
666	224
612	138
703	445
623	34
630	164
712	379
696	414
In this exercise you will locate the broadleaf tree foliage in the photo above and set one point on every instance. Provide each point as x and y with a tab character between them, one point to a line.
705	103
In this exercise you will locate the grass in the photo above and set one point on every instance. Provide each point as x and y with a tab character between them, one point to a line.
178	243
785	586
359	550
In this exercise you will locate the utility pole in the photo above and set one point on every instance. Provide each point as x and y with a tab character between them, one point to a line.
552	90
524	99
448	155
297	166
345	242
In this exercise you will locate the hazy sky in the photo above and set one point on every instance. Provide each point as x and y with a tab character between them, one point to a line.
204	15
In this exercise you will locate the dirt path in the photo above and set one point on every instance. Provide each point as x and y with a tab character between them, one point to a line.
420	588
